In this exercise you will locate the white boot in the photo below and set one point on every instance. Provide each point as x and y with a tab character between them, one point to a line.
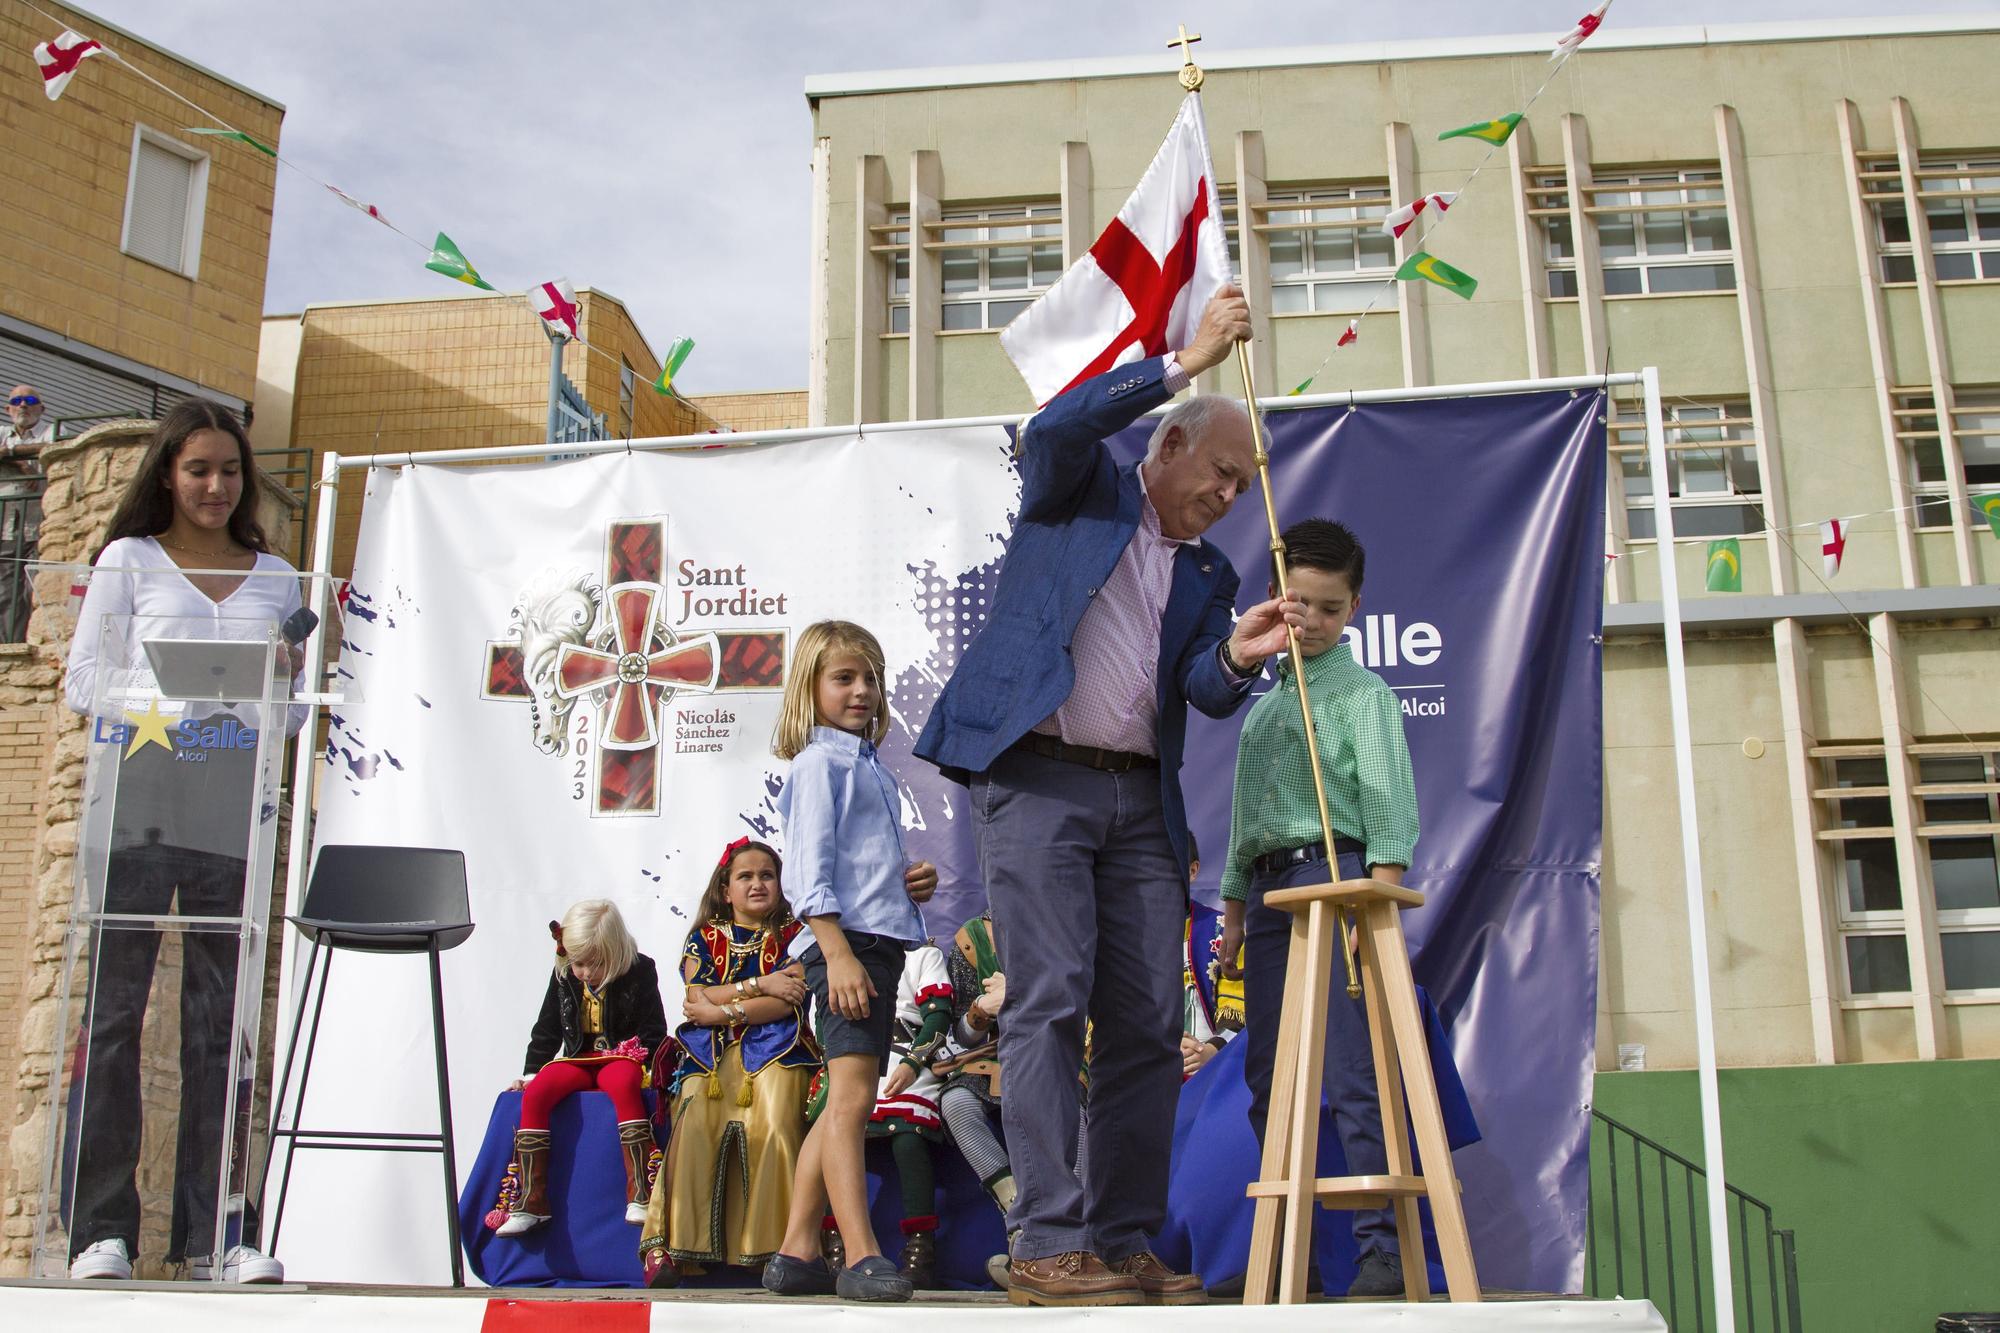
517	1223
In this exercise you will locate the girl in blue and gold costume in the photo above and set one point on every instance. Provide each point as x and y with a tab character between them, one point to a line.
746	1059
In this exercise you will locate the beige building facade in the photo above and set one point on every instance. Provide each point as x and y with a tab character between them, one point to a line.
764	409
1732	205
450	372
132	253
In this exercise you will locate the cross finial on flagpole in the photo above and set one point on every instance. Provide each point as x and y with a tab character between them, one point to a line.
1190	72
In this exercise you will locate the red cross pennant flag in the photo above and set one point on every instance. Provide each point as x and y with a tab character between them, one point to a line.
1585	26
555	302
1832	544
60	58
1140	290
1402	219
359	206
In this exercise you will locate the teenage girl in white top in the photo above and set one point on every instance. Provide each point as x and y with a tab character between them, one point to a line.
192	506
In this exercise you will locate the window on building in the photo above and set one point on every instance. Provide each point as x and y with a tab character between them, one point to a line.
1713	484
992	263
1961	199
1226	197
1658	232
1976	423
628	392
165	196
1958	834
1328	253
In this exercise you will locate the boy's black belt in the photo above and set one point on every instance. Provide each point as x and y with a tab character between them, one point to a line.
1271	863
1090	756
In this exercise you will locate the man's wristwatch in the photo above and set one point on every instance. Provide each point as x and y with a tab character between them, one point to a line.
1229	660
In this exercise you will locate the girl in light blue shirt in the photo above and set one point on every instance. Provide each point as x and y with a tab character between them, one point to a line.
852	884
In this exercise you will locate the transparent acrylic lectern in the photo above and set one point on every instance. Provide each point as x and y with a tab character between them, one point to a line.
158	1016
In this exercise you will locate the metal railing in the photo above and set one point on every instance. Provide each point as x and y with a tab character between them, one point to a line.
1648	1225
20	529
574	420
292	469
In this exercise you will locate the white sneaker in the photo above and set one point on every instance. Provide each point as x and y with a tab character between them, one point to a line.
635	1213
521	1223
105	1259
241	1264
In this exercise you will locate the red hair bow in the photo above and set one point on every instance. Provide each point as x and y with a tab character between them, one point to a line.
731	850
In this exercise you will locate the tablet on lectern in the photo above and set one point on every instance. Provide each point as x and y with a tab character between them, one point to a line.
231	670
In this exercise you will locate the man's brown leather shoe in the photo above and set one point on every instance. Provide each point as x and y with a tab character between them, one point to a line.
1159	1284
1076	1278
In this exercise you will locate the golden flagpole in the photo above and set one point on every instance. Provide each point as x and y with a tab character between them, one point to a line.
1191	79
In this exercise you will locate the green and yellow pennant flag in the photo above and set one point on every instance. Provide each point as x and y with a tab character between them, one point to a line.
1493	131
677	355
1725	566
238	135
448	259
1429	268
1989	505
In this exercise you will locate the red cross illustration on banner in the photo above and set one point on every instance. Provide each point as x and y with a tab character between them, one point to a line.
645	665
1151	288
634	661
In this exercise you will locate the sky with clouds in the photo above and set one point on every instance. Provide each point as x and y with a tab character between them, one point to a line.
662	151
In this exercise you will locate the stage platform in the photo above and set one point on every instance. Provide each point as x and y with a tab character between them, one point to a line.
170	1307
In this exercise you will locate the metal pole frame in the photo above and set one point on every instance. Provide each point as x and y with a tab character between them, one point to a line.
1697	915
556	342
305	770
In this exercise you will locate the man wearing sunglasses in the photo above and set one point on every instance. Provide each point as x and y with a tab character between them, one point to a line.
21	441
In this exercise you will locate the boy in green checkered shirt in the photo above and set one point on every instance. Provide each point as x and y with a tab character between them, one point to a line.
1275	842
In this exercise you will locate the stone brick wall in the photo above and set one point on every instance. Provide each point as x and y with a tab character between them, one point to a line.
41	786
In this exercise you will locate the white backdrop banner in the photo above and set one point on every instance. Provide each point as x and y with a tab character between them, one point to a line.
571	671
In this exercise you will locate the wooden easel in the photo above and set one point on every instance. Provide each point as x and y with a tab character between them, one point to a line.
1288	1187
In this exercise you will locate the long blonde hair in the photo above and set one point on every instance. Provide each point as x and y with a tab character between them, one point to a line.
595	929
800	714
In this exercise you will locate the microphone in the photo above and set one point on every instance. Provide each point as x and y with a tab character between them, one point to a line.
298	625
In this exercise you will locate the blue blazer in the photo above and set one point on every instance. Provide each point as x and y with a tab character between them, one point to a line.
1079	510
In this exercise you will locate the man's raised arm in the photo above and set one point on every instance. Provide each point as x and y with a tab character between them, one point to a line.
1056	445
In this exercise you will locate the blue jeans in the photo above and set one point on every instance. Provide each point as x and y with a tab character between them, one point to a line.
1350	1060
1089	905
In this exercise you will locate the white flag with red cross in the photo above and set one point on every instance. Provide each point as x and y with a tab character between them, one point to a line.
1576	36
60	58
555	302
1832	544
1402	219
1140	290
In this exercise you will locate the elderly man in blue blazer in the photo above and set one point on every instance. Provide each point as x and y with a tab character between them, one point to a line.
1066	718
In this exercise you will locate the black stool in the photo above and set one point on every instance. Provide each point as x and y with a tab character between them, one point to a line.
377	900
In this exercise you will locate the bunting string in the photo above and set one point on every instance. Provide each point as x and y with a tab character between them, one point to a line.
443	254
1442	217
1814	570
1861	624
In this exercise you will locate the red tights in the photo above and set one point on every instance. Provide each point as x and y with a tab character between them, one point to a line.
620	1079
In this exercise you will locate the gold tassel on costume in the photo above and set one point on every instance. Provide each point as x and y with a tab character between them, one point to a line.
714	1088
743	1097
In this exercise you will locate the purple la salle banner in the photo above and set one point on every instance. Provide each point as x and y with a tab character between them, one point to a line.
1483	520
